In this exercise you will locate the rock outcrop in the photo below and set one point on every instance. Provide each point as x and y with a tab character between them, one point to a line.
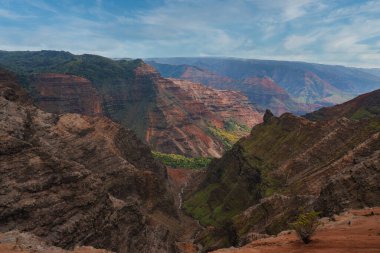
356	186
75	180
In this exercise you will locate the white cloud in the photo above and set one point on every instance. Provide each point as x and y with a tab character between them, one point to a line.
298	42
316	31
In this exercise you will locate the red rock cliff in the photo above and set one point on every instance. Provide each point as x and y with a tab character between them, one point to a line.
61	93
185	111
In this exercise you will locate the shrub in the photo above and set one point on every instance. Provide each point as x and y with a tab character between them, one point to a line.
306	225
179	161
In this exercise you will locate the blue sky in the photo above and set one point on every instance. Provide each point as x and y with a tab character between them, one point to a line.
343	32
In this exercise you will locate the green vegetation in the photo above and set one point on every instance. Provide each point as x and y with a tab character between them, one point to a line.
363	113
227	138
103	72
233	126
245	174
198	205
306	225
231	133
179	161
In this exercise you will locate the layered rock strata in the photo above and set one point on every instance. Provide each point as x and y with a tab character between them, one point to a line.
75	180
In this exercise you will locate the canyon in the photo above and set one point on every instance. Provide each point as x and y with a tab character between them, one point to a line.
172	116
305	87
286	165
79	174
190	116
73	179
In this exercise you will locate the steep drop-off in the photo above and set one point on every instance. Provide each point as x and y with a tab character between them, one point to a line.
79	180
59	93
198	120
172	116
288	164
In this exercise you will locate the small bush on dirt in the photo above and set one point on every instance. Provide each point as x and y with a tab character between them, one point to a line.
306	225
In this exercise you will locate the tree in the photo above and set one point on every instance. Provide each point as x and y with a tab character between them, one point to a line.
306	225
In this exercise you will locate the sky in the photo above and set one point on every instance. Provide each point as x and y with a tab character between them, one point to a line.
344	32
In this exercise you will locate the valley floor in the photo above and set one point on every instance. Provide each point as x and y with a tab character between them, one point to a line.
356	231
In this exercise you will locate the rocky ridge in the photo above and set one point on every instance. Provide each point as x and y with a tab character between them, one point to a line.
286	165
364	106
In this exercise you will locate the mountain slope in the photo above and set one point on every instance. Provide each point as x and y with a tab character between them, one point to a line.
79	180
287	164
134	94
305	82
364	106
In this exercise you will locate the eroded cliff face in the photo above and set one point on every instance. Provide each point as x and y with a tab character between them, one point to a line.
60	93
172	116
79	180
289	164
187	113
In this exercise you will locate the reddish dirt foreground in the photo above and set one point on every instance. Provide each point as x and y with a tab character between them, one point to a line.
356	231
10	248
18	242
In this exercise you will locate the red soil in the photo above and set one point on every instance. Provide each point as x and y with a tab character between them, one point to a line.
353	232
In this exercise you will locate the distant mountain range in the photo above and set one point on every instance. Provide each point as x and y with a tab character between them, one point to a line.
281	86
